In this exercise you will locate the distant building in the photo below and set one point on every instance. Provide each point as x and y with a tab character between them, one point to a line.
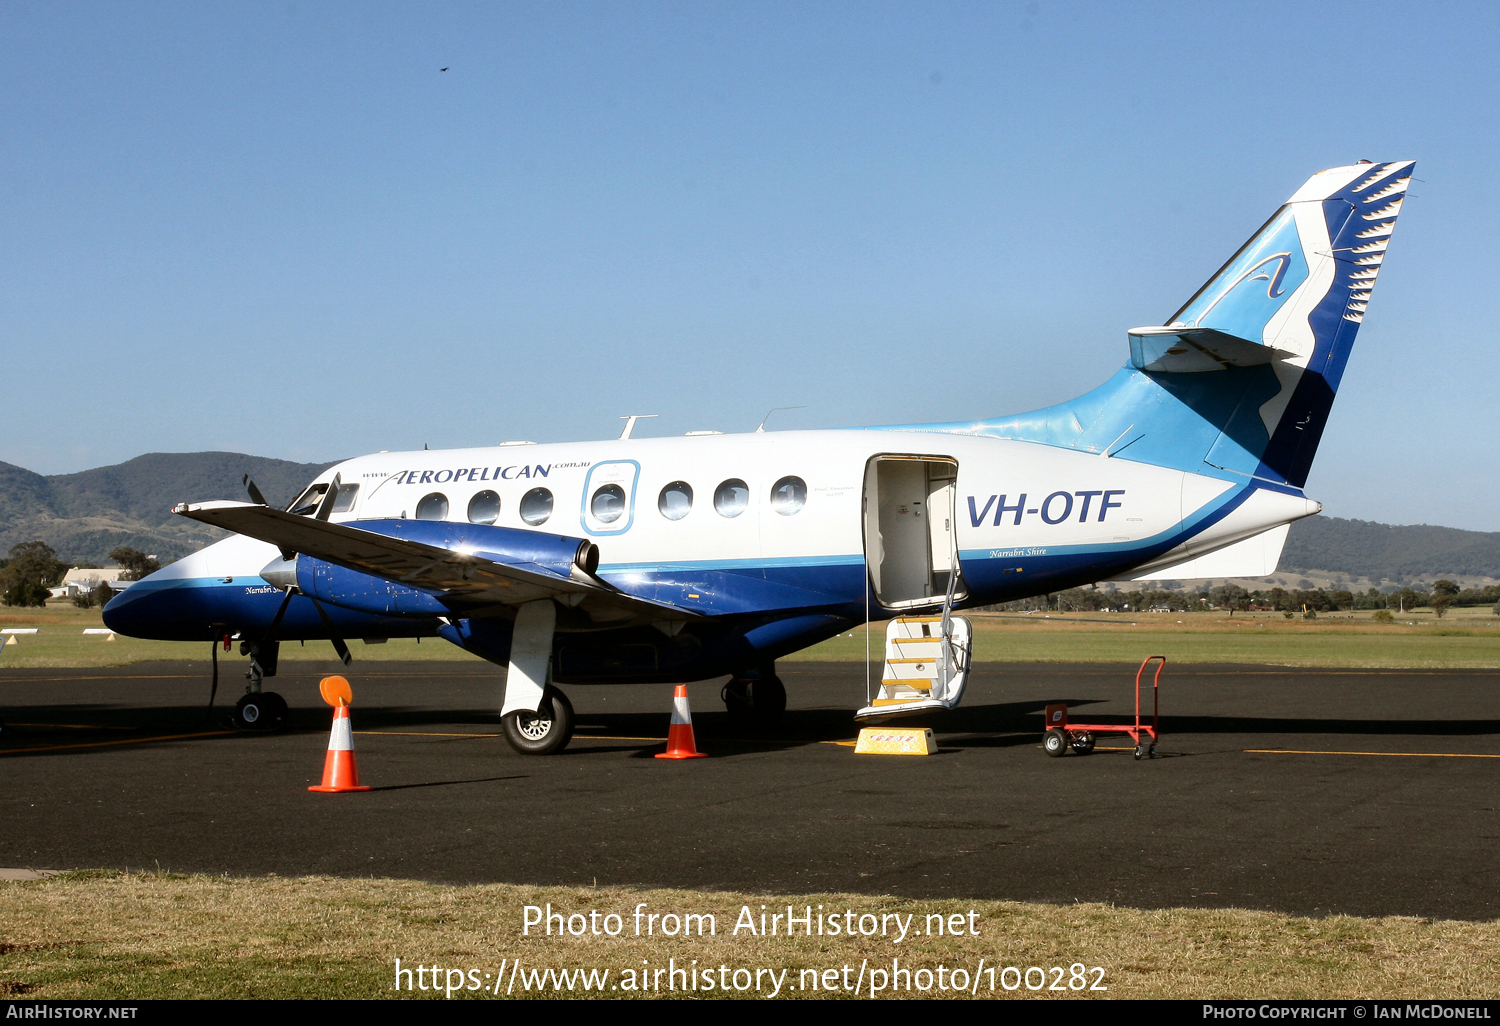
77	581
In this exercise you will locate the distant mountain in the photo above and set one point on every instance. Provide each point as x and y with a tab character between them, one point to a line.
1362	548
85	515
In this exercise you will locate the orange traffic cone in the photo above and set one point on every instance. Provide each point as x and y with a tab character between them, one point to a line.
680	734
339	771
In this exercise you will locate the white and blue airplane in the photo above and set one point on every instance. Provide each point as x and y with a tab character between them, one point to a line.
682	559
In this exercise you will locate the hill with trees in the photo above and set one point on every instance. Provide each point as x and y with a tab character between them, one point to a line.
87	515
1363	548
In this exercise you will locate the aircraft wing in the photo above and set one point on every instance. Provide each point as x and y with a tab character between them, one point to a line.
469	576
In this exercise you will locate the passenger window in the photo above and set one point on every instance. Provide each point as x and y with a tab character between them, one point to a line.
676	500
732	497
484	508
308	501
608	504
345	500
536	506
789	495
433	507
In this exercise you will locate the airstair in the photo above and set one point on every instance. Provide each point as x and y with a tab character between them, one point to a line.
926	666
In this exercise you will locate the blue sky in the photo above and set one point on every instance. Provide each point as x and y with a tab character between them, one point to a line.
280	229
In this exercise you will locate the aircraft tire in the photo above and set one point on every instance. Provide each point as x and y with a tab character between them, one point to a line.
770	699
264	711
1055	743
754	701
544	732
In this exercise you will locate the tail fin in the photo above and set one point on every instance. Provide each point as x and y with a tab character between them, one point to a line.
1297	292
1251	363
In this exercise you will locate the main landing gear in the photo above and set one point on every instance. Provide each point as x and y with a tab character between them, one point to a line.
755	700
545	731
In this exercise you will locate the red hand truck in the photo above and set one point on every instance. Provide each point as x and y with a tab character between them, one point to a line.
1062	735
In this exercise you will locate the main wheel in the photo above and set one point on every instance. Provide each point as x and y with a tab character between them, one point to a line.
1083	743
759	700
1055	742
265	710
545	731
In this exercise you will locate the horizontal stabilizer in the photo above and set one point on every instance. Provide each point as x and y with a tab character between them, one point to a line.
1256	556
1180	349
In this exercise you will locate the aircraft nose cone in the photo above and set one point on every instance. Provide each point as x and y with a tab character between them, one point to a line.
143	610
119	615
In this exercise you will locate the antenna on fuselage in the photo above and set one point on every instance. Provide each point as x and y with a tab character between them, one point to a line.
762	428
630	420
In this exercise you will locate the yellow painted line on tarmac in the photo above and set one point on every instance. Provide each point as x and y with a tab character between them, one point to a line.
104	744
435	733
421	733
1406	755
74	726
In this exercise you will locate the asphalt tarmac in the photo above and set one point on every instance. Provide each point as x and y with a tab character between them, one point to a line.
1295	790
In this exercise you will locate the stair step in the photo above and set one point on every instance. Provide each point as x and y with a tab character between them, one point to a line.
899	701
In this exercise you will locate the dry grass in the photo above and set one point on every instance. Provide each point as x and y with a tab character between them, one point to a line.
113	935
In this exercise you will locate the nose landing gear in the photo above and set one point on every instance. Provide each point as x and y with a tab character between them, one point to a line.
260	710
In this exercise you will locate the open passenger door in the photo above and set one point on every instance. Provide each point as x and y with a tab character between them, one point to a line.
911	556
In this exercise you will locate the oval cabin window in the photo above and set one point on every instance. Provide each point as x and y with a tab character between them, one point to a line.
789	495
676	500
608	504
731	497
536	506
484	508
433	507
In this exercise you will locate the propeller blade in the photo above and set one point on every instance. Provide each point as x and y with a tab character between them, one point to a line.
329	498
276	620
255	495
338	643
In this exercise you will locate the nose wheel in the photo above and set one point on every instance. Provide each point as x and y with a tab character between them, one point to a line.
263	710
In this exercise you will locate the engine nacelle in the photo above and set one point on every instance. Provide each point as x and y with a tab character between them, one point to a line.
328	582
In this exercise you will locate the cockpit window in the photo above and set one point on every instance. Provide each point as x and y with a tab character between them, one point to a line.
345	500
434	506
307	502
536	506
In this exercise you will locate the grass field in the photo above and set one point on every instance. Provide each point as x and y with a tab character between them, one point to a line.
114	935
1465	638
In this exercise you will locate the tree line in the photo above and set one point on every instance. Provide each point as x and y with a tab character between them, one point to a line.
33	569
1442	596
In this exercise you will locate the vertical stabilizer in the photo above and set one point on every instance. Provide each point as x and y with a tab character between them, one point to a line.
1300	288
1240	381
